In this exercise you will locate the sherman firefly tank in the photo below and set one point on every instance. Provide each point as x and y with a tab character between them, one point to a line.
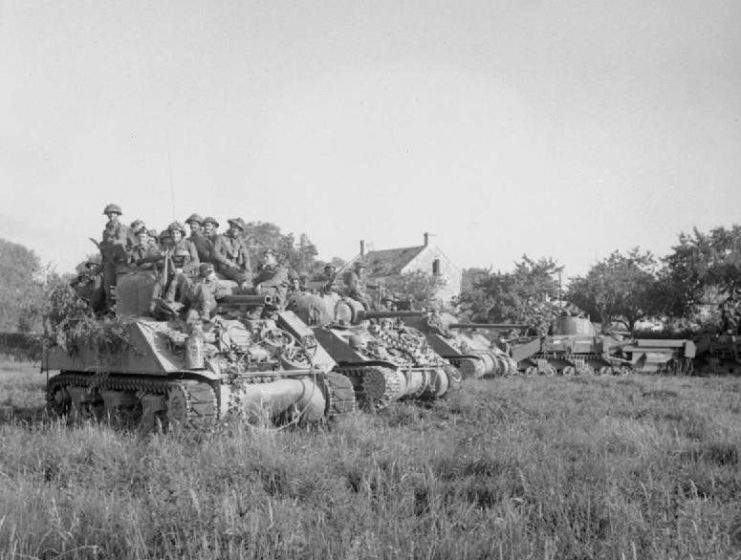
384	359
464	345
576	347
194	374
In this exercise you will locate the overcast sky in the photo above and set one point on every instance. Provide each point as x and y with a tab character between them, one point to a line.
554	128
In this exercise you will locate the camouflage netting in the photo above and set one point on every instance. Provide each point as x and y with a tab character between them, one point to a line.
70	324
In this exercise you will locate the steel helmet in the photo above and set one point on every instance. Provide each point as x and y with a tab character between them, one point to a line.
111	208
194	218
177	226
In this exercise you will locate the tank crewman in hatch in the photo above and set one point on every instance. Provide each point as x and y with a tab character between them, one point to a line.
113	250
184	258
89	286
230	254
272	279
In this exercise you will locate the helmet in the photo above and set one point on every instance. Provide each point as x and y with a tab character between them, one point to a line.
237	222
137	225
194	218
210	220
176	226
141	229
112	208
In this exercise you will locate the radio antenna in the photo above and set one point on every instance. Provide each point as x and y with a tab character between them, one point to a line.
172	184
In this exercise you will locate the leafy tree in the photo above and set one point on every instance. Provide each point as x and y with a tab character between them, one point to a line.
522	295
21	288
299	255
417	286
620	288
703	268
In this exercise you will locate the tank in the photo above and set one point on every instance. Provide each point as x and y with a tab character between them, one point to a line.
576	347
385	359
139	371
718	353
464	345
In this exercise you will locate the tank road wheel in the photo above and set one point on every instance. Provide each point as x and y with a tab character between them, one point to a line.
587	370
58	401
569	371
549	371
604	370
470	368
191	404
339	393
531	371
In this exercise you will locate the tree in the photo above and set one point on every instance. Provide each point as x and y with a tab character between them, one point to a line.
620	288
417	286
522	296
265	235
21	288
704	268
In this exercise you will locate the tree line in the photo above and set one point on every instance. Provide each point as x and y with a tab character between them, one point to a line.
684	287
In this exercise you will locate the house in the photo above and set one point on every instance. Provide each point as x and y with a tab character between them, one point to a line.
380	265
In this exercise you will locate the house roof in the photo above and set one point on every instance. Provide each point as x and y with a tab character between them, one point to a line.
389	261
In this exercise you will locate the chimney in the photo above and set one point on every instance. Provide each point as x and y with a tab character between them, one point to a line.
427	238
362	248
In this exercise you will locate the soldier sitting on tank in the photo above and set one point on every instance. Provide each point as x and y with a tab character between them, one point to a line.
231	255
89	286
204	246
113	249
329	277
210	235
203	295
272	279
355	285
185	261
144	255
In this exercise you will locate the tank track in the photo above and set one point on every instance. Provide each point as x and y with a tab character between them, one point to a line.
190	402
470	368
339	393
455	378
375	386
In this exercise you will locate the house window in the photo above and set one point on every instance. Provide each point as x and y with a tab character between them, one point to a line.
436	267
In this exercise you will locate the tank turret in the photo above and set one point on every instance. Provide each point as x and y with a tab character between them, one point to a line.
135	369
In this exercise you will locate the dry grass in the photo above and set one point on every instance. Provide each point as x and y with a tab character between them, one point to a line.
636	467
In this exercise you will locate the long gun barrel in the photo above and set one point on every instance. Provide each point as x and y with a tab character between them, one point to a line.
486	326
361	315
245	300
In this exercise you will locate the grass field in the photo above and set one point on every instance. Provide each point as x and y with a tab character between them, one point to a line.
633	467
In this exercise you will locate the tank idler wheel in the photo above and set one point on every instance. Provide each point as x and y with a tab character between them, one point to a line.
568	371
340	394
531	371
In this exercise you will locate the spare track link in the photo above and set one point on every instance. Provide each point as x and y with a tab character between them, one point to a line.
191	403
340	395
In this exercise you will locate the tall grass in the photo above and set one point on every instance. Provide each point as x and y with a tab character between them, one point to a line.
639	467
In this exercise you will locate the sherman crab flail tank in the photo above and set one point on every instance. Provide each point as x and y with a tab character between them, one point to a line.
575	347
464	345
239	364
384	359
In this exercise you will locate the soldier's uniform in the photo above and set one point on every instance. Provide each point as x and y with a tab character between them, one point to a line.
273	280
231	256
114	247
355	286
185	261
204	293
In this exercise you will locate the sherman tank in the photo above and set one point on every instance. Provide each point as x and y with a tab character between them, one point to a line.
385	359
244	362
575	347
464	344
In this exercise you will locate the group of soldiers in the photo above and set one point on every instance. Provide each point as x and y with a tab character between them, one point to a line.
191	264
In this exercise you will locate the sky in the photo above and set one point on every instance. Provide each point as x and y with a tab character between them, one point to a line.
563	129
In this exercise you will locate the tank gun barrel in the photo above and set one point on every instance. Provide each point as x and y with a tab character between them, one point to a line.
387	314
486	326
245	300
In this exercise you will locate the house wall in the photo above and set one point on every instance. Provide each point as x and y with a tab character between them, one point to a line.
448	271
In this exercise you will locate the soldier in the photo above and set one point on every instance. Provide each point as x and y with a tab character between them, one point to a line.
355	284
230	254
144	255
89	286
329	277
204	246
113	250
185	260
272	278
203	295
